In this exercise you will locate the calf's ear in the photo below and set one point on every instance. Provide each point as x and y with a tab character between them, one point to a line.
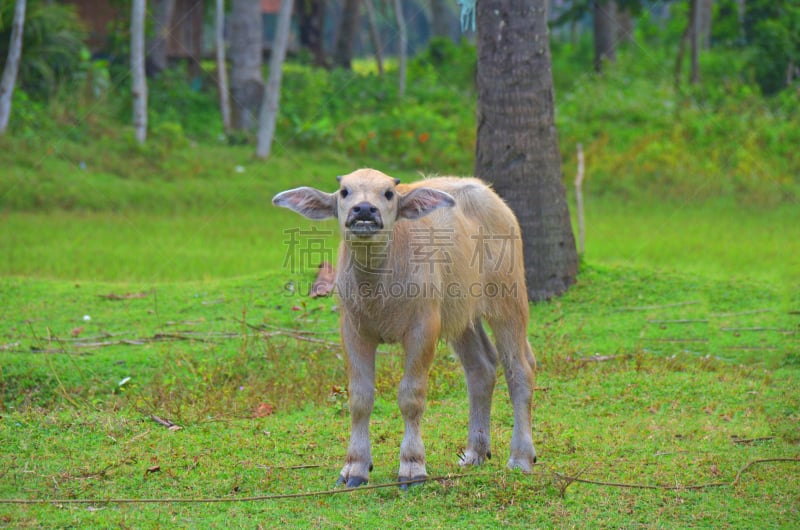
309	202
420	202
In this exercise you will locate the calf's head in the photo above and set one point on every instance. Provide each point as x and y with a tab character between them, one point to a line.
367	204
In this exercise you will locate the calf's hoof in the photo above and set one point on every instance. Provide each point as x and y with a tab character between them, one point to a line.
351	482
524	464
473	458
405	482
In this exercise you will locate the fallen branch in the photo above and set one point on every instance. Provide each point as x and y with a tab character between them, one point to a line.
124	296
675	340
752	440
739	313
598	358
166	423
651	307
776	330
686	321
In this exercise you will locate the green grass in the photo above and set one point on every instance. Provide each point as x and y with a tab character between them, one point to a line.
667	409
679	339
718	238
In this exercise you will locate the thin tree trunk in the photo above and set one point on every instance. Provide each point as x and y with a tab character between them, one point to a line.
374	34
138	76
681	52
517	142
343	52
706	20
157	45
441	19
403	45
740	17
222	68
694	22
247	84
605	33
194	19
625	25
311	22
9	79
272	90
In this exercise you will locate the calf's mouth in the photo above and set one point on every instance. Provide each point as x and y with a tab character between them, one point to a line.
364	221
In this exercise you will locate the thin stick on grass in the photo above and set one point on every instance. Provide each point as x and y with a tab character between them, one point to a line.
748	330
739	313
651	307
679	321
752	440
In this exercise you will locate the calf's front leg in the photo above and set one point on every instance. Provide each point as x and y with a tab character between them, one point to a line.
361	376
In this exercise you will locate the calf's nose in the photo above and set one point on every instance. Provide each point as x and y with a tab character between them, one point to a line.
364	210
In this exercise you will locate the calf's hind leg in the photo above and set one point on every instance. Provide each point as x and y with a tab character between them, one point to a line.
518	364
479	358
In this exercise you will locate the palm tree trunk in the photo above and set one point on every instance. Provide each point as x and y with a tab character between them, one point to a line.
605	33
157	45
517	144
343	52
402	47
247	85
374	34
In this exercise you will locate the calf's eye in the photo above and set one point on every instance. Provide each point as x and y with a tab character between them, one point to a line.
344	192
389	194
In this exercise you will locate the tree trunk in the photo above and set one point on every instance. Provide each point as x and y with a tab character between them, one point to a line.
157	44
311	22
9	79
194	22
374	34
138	75
625	25
441	19
247	86
679	57
402	47
348	27
605	33
222	68
694	35
272	91
690	35
740	17
706	16
517	144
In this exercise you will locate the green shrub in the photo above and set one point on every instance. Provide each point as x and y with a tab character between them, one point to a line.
773	28
52	46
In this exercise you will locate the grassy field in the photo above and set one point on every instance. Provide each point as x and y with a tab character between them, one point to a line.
673	363
651	379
